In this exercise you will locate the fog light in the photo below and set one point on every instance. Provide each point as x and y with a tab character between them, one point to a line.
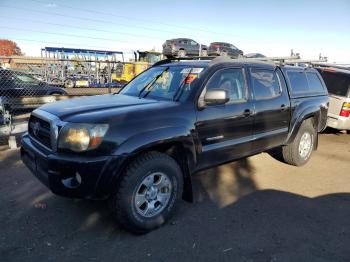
78	177
72	182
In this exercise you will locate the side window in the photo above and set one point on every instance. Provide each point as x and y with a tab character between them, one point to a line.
265	84
298	82
193	43
232	80
315	84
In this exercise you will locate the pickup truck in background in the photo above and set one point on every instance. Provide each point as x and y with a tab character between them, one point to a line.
140	147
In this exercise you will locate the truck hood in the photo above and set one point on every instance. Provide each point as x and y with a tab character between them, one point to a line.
95	104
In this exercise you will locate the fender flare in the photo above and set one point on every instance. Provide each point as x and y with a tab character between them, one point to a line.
178	135
308	112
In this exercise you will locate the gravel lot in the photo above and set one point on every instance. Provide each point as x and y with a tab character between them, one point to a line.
255	209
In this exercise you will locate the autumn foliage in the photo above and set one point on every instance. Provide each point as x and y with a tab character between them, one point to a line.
8	47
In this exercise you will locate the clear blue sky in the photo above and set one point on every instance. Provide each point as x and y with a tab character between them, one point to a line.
268	27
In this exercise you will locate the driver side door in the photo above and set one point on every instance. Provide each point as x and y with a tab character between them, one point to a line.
225	131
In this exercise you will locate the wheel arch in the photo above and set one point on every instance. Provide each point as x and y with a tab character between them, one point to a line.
180	147
310	113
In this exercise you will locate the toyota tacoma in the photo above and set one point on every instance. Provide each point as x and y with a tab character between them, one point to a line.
139	148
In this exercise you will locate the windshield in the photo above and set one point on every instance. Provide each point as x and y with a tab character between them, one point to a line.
27	78
170	83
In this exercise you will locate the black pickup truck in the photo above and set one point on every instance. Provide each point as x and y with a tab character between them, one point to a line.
139	148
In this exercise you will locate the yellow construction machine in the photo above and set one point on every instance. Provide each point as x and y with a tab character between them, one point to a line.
128	70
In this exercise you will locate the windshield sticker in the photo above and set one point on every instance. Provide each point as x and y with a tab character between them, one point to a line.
189	79
192	70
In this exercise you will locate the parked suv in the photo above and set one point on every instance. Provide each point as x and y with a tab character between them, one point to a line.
338	84
140	148
224	49
181	47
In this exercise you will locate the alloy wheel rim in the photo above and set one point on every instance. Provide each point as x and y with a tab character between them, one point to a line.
153	194
305	145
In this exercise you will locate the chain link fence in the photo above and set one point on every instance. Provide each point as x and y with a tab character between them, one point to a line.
27	83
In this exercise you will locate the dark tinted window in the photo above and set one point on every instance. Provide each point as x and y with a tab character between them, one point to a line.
298	82
337	83
315	84
232	80
265	84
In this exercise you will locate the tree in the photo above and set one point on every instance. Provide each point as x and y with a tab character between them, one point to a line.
8	47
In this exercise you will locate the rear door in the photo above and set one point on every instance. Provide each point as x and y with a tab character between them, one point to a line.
271	108
225	131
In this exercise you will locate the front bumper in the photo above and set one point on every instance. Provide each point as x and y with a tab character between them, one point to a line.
71	176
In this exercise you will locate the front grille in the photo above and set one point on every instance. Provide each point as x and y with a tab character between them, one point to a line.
39	129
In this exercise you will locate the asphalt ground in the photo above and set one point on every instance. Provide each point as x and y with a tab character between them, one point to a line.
254	209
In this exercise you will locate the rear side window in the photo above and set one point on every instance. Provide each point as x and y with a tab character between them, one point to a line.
298	82
337	83
265	84
315	84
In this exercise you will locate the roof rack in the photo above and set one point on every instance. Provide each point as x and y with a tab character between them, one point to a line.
169	60
294	60
337	66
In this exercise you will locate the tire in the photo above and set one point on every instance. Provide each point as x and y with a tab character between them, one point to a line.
204	52
223	53
181	53
300	150
135	193
69	83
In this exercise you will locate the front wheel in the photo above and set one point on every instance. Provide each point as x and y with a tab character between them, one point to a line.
299	152
147	192
204	52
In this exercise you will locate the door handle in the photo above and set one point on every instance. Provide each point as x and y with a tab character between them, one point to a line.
247	112
283	107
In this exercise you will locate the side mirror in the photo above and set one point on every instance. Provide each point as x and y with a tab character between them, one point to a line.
216	97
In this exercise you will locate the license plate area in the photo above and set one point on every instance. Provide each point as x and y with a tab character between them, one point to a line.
36	165
29	159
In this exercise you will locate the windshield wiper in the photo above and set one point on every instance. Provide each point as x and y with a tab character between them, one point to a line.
151	83
180	88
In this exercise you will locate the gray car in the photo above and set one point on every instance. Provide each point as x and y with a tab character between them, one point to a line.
181	47
224	49
338	84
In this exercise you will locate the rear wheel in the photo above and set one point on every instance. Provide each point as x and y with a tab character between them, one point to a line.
223	53
299	152
204	52
147	193
181	53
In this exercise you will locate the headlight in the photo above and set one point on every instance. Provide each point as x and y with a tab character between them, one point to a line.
81	137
